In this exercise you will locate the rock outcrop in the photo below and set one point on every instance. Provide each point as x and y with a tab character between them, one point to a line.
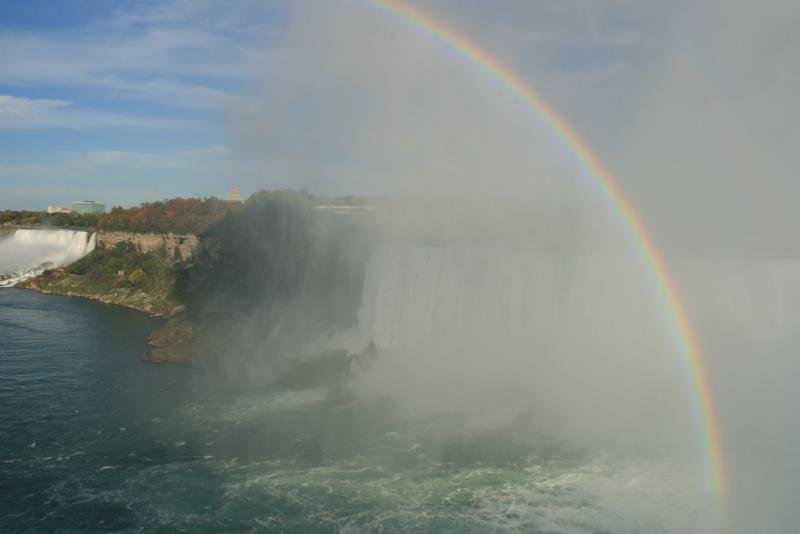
59	282
178	246
175	342
151	293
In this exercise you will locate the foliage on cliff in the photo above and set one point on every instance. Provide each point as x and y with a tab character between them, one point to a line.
278	264
42	218
177	215
120	275
124	265
261	243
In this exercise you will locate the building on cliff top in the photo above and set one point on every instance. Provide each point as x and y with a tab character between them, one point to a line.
234	196
56	209
88	206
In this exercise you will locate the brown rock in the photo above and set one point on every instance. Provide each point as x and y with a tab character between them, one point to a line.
178	246
175	342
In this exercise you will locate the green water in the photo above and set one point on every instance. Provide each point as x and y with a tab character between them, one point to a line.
93	438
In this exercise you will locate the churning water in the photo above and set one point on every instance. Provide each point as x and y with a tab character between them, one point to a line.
93	438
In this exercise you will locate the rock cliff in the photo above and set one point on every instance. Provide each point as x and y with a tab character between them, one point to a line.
179	247
134	271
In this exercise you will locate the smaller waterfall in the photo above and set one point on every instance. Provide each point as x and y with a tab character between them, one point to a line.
27	252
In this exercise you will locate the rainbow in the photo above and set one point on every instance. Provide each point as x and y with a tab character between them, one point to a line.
688	348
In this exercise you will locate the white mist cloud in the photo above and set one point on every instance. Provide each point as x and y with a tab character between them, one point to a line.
689	104
361	102
693	107
708	153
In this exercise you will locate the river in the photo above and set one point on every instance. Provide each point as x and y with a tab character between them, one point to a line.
93	438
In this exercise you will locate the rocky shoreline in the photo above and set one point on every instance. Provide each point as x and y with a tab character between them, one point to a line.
174	342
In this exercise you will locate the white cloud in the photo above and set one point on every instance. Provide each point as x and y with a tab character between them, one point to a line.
17	107
185	54
20	113
120	177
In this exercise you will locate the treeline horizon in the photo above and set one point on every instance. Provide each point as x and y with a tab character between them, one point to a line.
182	215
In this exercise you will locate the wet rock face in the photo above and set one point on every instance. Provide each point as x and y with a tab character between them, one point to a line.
175	342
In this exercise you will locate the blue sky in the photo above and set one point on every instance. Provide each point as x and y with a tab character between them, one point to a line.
120	101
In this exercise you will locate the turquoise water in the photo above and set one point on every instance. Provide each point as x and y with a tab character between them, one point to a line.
93	438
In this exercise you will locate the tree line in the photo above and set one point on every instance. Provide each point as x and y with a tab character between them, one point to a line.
176	215
42	218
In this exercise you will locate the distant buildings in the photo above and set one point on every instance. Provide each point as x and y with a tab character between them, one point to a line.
234	196
88	206
56	209
343	209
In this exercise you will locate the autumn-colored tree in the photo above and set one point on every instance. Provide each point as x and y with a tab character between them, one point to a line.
177	215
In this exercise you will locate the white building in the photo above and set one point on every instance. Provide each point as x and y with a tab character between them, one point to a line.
56	209
88	206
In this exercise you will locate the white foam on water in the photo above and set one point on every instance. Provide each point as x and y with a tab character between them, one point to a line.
255	406
601	495
108	467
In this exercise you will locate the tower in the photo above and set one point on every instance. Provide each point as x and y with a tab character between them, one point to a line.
234	196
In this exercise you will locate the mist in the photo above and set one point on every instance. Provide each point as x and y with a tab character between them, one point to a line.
499	284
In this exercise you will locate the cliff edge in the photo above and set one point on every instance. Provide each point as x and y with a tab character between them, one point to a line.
175	342
135	271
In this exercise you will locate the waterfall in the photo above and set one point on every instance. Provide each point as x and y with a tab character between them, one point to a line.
417	295
577	336
583	335
27	252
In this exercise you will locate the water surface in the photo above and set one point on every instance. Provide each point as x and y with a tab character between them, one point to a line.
93	438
